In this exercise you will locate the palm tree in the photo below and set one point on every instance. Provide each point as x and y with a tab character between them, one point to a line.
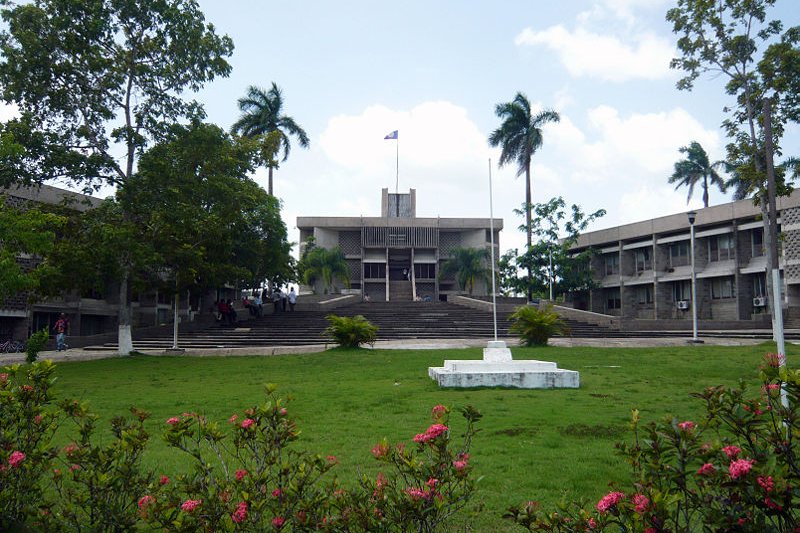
696	168
468	265
326	266
520	136
261	115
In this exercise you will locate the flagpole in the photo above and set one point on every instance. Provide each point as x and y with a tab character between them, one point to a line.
397	173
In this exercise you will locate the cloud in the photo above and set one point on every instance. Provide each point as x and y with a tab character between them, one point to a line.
587	54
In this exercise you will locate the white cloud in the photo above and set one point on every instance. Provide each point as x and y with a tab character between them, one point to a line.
624	9
587	54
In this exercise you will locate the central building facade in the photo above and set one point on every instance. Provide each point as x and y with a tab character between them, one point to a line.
398	256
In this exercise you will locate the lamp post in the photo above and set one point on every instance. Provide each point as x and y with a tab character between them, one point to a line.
692	216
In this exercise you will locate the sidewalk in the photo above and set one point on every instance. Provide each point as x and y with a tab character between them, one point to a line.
79	354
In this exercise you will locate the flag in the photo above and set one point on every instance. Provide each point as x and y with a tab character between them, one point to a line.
392	135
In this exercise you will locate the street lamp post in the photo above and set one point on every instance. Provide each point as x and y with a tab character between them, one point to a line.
692	216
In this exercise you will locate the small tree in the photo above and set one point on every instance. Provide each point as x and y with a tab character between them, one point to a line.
468	266
325	266
351	332
535	326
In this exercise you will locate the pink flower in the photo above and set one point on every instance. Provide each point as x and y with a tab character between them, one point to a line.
15	459
771	504
740	467
687	426
706	470
56	472
381	481
417	494
732	451
592	523
240	474
37	419
332	459
380	450
438	412
144	501
277	493
163	480
766	483
247	422
3	378
283	411
278	522
640	503
240	514
74	468
774	359
233	418
172	421
190	505
459	465
70	449
432	482
431	433
609	500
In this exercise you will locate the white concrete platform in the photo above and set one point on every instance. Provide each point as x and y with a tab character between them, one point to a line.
498	369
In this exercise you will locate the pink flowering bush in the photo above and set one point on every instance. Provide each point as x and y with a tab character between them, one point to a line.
425	484
736	470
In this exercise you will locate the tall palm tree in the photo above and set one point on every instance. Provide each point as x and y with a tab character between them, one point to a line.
261	115
468	265
696	168
520	135
326	266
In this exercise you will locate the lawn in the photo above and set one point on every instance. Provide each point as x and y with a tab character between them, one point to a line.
535	444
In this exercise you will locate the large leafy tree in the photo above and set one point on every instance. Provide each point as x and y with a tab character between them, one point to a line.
468	266
550	259
520	136
262	117
96	78
735	39
697	168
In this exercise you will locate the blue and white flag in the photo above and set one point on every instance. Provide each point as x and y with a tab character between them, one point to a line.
392	135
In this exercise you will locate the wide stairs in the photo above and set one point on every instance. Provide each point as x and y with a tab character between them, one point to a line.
395	320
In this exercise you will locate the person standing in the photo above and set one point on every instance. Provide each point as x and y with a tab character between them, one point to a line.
292	299
276	299
283	301
61	327
258	304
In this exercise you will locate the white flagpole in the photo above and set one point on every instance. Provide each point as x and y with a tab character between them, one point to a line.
491	232
397	172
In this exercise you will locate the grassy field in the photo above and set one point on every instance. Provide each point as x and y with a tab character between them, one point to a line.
543	445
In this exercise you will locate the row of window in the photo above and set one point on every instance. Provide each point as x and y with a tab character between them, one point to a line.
722	288
378	271
720	248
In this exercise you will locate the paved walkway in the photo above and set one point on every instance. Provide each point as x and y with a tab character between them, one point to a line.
79	354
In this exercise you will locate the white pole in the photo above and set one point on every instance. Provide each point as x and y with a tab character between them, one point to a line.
175	319
777	309
551	274
491	240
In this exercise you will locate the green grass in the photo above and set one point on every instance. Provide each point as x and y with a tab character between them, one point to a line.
543	445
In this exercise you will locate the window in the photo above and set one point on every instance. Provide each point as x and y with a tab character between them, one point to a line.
374	270
722	288
679	254
642	259
613	300
611	264
682	290
757	242
720	247
425	271
759	285
644	294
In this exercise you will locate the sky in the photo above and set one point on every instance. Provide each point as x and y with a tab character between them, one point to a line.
353	71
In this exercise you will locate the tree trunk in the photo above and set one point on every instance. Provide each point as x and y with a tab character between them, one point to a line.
124	337
528	229
270	182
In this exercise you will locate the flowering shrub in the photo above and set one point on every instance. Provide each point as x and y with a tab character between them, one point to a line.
245	475
737	470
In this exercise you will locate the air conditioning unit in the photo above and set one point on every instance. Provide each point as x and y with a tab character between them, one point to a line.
683	304
760	301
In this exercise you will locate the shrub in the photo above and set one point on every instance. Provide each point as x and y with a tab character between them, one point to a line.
36	343
535	326
737	470
351	332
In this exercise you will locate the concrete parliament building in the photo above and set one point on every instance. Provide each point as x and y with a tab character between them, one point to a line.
643	270
398	256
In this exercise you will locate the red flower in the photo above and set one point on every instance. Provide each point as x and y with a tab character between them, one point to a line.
609	500
640	503
687	426
740	467
172	421
15	459
247	422
706	470
380	450
190	505
732	451
163	480
240	474
240	514
278	522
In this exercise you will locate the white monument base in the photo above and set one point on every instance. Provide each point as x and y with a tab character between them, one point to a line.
498	369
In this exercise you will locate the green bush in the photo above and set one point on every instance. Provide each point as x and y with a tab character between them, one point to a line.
535	326
351	332
36	343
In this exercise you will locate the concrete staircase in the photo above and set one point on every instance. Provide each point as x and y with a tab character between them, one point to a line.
400	291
